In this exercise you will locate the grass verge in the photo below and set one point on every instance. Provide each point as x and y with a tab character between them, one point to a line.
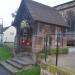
5	53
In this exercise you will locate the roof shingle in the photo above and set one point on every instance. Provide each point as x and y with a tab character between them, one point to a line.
43	13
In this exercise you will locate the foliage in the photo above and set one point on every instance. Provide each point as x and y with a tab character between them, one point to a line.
39	57
5	53
33	71
56	70
53	51
59	71
44	66
10	44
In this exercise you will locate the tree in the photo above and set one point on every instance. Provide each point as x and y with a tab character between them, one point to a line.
14	14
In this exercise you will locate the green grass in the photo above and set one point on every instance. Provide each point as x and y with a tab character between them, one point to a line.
5	53
33	71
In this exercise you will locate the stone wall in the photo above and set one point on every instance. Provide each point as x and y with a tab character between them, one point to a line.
50	31
67	10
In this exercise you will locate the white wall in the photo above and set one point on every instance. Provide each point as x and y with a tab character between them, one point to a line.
9	34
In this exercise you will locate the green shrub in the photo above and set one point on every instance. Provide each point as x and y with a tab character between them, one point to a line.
53	51
41	55
44	66
33	71
9	44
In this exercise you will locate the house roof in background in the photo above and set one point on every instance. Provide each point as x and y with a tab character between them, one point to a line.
66	5
43	13
5	28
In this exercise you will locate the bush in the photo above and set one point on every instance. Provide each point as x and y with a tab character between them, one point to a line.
33	71
39	57
53	51
44	66
9	44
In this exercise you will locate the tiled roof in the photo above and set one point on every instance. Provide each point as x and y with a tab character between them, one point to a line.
43	13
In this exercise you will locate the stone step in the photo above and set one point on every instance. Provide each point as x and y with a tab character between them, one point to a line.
17	65
20	61
9	67
28	60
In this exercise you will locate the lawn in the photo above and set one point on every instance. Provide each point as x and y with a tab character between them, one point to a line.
5	53
33	71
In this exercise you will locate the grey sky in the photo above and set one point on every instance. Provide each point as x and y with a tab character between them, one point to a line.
9	6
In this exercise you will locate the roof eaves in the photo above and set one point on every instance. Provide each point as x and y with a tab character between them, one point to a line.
63	4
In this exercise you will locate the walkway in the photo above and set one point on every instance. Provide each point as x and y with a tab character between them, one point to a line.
66	61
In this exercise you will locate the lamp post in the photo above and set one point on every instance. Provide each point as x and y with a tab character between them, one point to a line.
57	47
45	46
1	31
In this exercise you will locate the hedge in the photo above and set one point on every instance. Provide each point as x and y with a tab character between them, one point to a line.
53	51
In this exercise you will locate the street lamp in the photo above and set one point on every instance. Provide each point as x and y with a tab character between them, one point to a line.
1	31
57	47
45	47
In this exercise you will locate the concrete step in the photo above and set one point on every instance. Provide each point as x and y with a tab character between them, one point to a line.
20	61
17	65
9	67
28	60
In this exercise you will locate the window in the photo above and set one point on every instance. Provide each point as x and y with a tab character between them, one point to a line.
40	26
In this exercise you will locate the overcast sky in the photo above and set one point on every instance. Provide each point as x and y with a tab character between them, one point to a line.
9	6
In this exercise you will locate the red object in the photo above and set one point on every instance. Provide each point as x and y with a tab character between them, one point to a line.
25	43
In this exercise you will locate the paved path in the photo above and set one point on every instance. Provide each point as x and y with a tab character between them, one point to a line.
66	61
3	71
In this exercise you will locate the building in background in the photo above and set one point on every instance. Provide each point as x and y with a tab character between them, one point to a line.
9	34
67	10
33	22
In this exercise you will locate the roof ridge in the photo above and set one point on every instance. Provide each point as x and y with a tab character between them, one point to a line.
64	3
